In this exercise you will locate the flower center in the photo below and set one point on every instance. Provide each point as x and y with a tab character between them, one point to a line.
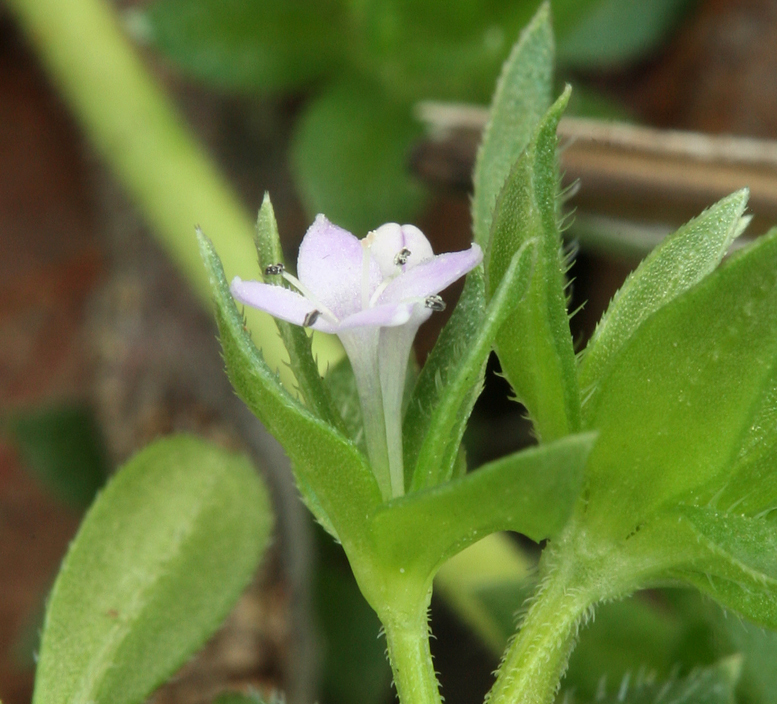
400	260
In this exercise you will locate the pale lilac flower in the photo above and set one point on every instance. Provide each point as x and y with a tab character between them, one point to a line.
374	294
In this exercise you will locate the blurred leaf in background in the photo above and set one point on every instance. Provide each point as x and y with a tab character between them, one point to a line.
63	447
354	667
615	32
250	45
759	650
363	65
709	685
350	157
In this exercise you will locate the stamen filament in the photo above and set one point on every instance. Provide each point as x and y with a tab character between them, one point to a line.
320	307
379	290
366	272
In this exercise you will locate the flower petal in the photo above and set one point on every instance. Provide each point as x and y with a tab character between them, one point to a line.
380	316
431	277
330	265
391	239
278	301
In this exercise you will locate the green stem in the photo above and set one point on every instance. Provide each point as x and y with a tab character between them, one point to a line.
538	657
133	125
411	660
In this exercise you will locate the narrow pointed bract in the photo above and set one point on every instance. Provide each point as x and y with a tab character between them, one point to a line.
374	294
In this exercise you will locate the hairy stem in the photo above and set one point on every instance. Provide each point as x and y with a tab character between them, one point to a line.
411	659
538	656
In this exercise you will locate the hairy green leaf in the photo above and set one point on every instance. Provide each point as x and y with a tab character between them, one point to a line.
535	345
675	406
350	158
530	492
158	562
339	499
752	486
523	95
441	366
447	421
256	45
738	561
678	263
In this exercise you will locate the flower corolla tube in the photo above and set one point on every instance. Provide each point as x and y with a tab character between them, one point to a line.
373	294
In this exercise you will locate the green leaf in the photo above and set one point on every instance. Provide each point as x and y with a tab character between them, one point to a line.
737	564
339	499
535	345
448	418
295	338
157	564
613	32
350	158
530	492
64	448
249	45
443	364
682	260
523	95
709	685
345	396
752	488
675	406
757	604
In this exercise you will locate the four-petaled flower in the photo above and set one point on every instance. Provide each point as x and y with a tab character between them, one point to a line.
373	293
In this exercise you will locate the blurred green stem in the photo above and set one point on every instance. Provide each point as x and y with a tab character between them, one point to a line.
133	125
495	560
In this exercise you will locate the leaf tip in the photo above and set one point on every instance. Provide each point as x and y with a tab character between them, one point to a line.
206	246
563	99
543	16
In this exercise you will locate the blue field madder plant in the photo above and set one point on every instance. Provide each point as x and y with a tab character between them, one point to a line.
657	445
